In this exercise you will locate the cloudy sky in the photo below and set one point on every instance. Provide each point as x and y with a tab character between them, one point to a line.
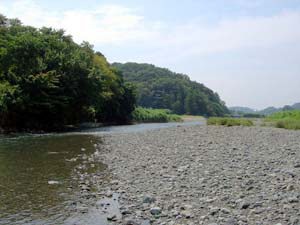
246	50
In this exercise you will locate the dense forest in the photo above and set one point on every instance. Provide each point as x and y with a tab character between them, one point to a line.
161	88
48	81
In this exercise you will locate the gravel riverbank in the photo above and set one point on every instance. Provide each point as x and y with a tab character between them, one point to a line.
206	175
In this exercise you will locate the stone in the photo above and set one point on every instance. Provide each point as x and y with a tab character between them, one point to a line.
149	199
244	205
187	214
225	210
155	210
112	217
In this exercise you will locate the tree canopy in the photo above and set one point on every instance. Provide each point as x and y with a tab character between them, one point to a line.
48	81
162	88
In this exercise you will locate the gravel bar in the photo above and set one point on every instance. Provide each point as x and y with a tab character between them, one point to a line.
206	175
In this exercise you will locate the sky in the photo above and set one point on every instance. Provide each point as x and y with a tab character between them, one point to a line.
248	51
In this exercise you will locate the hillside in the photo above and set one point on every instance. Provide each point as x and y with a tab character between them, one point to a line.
240	109
162	88
267	111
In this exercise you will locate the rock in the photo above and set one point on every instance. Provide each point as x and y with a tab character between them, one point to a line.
125	211
290	187
293	199
186	213
213	211
53	182
231	221
131	222
109	194
244	205
149	199
112	217
297	165
294	221
145	222
155	211
225	210
82	209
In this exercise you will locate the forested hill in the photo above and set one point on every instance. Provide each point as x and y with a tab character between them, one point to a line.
48	81
162	88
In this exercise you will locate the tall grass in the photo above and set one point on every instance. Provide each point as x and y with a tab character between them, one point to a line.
285	119
148	115
227	121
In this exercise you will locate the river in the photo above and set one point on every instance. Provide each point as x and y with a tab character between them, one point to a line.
40	174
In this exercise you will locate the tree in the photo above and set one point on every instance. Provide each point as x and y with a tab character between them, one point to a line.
161	88
48	81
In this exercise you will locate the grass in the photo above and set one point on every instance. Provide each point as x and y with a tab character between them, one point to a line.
229	122
285	119
148	115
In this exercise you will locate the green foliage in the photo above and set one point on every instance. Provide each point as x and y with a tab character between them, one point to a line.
285	119
227	121
48	81
253	115
160	88
292	114
154	115
290	124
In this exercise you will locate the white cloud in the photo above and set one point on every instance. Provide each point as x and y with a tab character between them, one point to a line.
230	35
106	24
261	47
116	24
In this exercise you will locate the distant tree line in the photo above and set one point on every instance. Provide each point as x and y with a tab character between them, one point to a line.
48	81
162	89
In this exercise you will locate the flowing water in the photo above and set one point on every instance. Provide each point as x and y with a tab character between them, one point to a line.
38	182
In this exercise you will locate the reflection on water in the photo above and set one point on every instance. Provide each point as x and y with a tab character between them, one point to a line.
36	176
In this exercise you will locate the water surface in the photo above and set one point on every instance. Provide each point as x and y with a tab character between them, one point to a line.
39	173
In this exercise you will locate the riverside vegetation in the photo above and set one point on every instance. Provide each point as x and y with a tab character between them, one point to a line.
154	115
227	121
285	119
162	88
48	82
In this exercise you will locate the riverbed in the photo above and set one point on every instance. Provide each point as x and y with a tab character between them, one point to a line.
55	178
207	175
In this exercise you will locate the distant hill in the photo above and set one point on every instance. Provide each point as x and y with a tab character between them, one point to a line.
296	106
267	111
162	88
242	109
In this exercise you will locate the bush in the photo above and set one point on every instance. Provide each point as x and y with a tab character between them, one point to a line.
288	124
223	121
147	115
285	119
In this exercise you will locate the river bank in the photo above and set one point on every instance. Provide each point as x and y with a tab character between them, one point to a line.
205	175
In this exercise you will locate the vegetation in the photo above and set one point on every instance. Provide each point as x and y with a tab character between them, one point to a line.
253	115
154	115
48	81
285	119
227	121
161	88
241	111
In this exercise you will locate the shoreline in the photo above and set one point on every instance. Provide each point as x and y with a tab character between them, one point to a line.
205	175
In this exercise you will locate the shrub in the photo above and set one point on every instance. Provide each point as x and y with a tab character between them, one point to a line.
147	115
285	119
223	121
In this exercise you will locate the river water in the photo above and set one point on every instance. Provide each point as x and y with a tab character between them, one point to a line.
38	179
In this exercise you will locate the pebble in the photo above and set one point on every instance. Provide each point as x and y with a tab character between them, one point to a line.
206	175
155	210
